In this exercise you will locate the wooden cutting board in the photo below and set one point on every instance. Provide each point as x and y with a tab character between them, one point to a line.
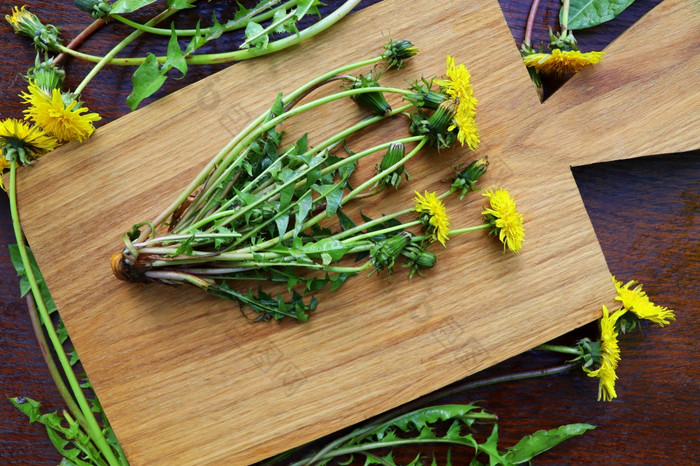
185	379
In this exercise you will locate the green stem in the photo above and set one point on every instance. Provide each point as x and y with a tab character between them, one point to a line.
236	55
559	349
565	16
119	47
204	31
51	364
468	229
93	430
268	125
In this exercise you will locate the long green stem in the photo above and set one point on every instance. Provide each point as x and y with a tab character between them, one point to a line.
468	229
565	16
120	46
560	349
51	364
236	55
192	32
93	430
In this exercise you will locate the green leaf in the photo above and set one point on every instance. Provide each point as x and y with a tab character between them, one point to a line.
542	440
345	222
146	80
588	13
255	34
336	249
127	6
175	57
24	286
304	207
179	4
282	223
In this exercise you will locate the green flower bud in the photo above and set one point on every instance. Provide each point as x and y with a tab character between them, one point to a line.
397	51
384	253
563	41
418	258
467	178
436	126
423	95
393	155
46	75
96	8
374	101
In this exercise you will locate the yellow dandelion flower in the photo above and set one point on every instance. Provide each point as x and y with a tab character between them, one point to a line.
609	356
22	142
434	216
637	301
458	87
505	221
66	121
562	61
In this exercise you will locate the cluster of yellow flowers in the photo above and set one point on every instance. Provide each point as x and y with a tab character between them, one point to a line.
52	116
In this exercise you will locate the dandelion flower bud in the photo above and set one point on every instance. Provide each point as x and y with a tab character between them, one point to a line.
96	8
397	51
395	153
467	178
384	253
374	101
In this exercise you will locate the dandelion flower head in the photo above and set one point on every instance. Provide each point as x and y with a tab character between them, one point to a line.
637	301
562	62
22	142
67	121
505	220
609	356
458	87
432	209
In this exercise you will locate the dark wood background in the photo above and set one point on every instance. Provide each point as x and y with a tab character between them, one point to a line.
645	214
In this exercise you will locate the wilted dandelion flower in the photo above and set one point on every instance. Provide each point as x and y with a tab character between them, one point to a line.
58	113
506	222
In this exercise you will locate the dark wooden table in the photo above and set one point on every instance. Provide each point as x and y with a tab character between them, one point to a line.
645	214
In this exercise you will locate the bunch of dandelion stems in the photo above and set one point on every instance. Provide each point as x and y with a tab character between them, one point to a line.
261	12
206	208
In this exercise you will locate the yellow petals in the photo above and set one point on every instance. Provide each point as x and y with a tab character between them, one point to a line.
434	216
609	357
22	143
637	301
458	87
504	219
562	61
19	17
67	122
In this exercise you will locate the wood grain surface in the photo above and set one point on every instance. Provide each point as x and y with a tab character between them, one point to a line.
195	340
